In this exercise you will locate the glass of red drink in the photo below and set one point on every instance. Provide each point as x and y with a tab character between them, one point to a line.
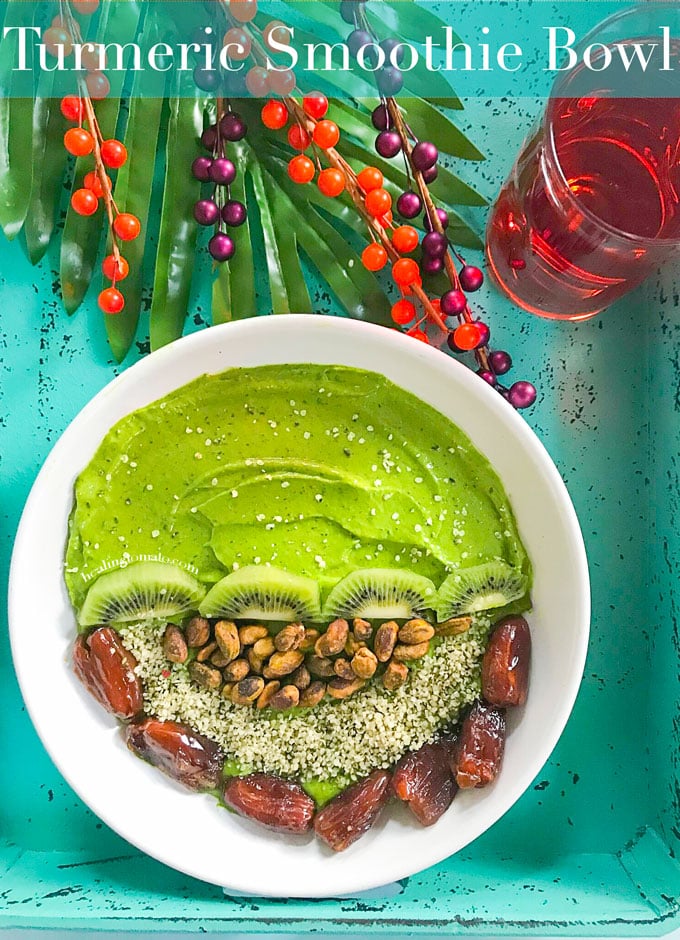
592	204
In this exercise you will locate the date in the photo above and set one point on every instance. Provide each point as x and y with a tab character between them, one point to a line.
278	804
107	670
182	753
352	813
505	667
423	779
478	753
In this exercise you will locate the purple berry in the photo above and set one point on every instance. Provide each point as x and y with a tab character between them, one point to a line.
380	118
358	38
443	219
500	361
206	79
347	8
424	155
435	244
487	376
206	212
453	302
471	278
429	176
388	144
203	36
390	80
388	45
222	171
451	343
522	395
431	265
233	126
209	137
409	205
484	334
221	247
234	212
201	168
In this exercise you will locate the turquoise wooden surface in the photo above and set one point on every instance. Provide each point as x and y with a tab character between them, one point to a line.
591	847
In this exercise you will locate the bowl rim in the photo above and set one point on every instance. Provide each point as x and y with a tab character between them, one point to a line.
397	868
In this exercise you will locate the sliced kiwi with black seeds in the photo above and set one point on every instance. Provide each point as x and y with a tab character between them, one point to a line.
260	592
144	590
482	587
390	593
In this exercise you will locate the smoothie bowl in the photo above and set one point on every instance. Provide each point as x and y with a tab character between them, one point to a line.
297	563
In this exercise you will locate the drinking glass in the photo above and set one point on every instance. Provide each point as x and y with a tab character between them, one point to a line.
591	205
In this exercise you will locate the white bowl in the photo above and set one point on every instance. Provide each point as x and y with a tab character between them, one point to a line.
190	832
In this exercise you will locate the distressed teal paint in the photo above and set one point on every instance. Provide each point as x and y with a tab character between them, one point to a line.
590	848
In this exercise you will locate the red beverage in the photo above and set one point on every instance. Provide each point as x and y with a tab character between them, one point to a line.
592	204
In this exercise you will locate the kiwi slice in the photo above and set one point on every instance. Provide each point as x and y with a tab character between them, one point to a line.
259	592
381	592
483	587
141	591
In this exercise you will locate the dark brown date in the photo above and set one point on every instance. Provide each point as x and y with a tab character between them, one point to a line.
352	813
423	779
479	750
505	668
106	669
275	803
178	751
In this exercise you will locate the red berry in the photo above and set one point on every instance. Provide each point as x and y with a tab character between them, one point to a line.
55	39
98	85
467	336
282	83
370	178
420	335
257	81
243	11
126	226
403	312
274	115
93	182
111	300
114	154
374	257
298	138
315	105
79	142
115	271
378	202
85	7
331	182
72	108
301	169
405	272
405	238
84	202
326	134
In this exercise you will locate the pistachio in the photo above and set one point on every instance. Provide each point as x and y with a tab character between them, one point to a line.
197	632
301	677
227	690
453	627
405	652
287	697
363	630
205	676
343	688
227	639
333	640
416	631
394	676
385	640
256	662
313	694
270	689
364	663
282	664
218	659
310	638
290	638
264	647
320	666
352	645
343	668
236	670
247	690
251	634
174	644
206	652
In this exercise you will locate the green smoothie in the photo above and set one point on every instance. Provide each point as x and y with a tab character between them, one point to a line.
317	470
